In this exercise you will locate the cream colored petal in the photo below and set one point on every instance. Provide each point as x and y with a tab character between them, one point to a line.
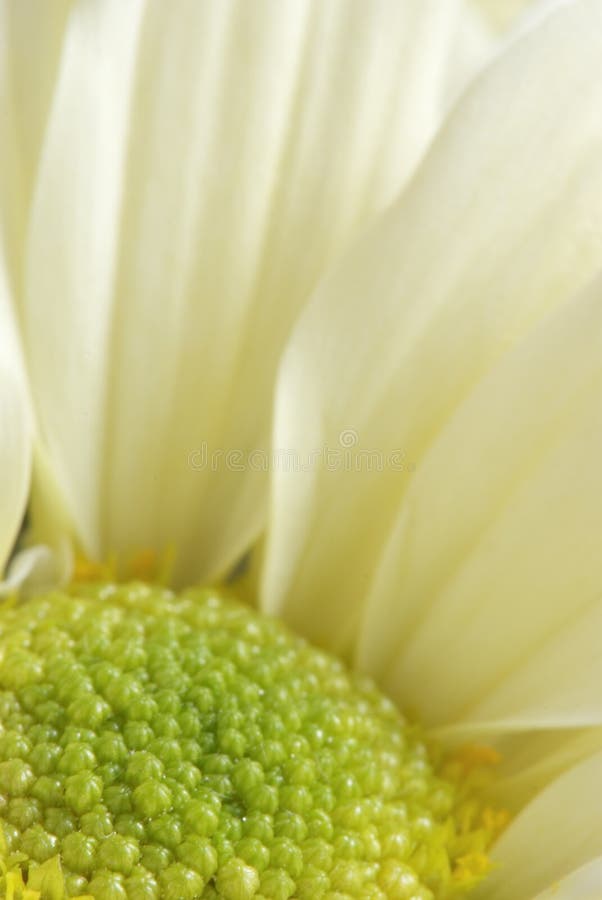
583	884
560	831
15	432
502	14
501	225
14	463
30	41
473	47
529	761
498	576
204	162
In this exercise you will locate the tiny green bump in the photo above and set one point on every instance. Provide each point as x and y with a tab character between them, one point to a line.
151	798
246	776
138	735
348	845
79	852
260	826
263	798
167	749
48	789
23	812
38	844
76	734
14	745
323	796
44	757
108	886
142	885
121	692
118	799
224	848
186	774
143	709
277	884
59	821
397	880
89	710
296	798
253	852
130	826
317	883
76	757
397	845
20	668
286	854
143	766
165	725
318	854
230	824
110	774
75	885
201	817
180	796
83	791
200	854
165	830
237	881
155	858
16	777
97	823
12	836
181	883
118	853
232	742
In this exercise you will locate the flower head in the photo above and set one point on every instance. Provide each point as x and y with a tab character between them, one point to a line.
273	282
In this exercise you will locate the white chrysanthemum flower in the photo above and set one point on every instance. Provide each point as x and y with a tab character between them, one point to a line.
266	286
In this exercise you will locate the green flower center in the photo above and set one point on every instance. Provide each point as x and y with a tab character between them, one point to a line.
182	746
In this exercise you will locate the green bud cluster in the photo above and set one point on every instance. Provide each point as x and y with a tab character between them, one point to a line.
155	745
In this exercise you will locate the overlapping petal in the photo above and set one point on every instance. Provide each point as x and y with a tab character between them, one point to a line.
503	13
31	35
203	163
429	343
582	884
498	568
558	833
15	432
529	761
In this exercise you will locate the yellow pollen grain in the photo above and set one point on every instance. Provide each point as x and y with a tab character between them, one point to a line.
87	571
144	564
471	868
495	820
476	756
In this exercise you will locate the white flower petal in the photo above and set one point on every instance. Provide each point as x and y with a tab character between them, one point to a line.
501	224
473	47
529	761
560	831
30	40
500	576
15	432
31	570
502	14
583	884
204	162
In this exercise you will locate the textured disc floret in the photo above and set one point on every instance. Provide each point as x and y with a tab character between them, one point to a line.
155	745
